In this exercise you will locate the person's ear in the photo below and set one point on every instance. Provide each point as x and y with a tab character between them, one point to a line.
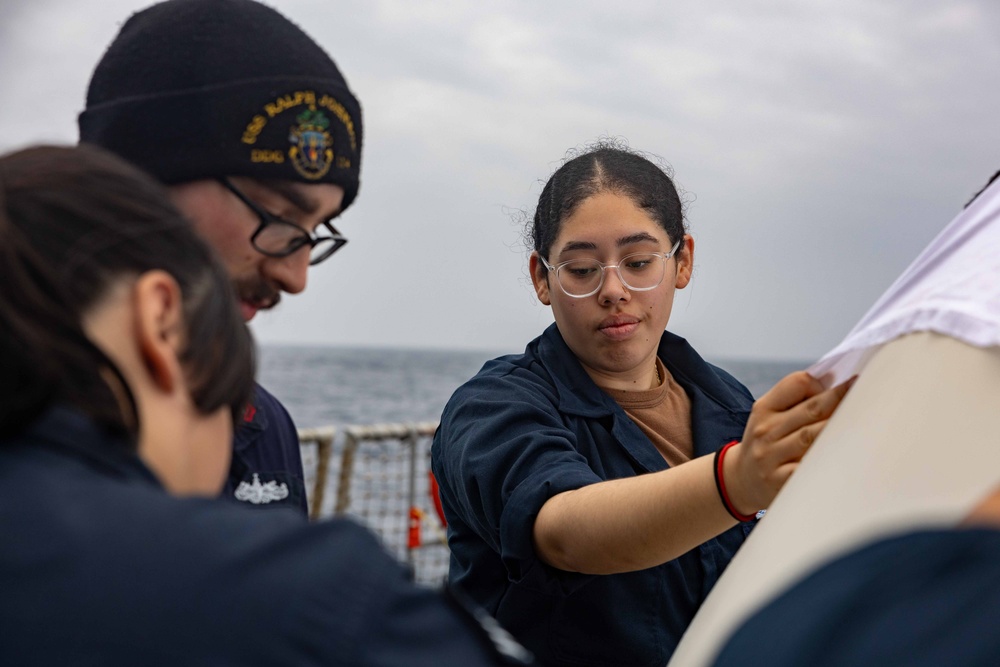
159	327
685	262
539	277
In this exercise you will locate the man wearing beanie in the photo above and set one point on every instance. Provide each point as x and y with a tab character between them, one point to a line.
257	134
254	130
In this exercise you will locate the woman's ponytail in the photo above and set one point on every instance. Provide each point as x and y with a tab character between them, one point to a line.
73	222
44	354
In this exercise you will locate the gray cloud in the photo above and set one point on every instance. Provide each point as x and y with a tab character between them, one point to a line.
821	144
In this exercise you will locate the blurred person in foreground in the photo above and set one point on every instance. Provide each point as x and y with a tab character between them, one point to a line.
124	363
255	131
921	598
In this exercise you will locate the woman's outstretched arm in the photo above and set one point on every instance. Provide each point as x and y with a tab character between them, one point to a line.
639	522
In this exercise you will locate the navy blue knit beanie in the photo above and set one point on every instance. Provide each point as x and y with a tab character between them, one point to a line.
193	89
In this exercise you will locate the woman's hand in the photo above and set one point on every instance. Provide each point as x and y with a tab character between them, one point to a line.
783	425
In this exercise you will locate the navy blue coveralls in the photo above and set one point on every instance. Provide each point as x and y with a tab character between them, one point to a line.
534	425
266	470
923	599
100	566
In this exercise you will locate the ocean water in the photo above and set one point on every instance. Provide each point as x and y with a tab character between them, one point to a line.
383	481
339	386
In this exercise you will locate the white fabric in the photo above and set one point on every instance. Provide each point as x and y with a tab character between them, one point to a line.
912	445
914	442
952	288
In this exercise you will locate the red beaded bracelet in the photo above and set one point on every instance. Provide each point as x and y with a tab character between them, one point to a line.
720	484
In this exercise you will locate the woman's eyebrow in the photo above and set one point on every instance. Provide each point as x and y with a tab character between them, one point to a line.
638	237
578	245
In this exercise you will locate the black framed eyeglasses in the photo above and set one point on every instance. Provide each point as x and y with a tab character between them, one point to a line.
276	237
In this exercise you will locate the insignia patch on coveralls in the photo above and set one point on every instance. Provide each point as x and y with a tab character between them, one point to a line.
261	494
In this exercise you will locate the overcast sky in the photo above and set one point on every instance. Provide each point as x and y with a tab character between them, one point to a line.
820	146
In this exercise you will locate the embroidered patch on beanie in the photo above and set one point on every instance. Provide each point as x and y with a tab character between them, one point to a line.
309	137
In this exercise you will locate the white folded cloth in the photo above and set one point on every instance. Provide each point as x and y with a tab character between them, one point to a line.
952	288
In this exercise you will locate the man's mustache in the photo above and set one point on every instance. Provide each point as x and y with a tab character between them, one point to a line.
258	293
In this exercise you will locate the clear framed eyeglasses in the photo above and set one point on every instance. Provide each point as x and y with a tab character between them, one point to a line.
276	237
639	272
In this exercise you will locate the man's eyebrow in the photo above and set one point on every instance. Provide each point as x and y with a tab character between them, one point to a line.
295	197
288	192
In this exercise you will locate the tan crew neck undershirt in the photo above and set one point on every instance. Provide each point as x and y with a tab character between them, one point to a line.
663	414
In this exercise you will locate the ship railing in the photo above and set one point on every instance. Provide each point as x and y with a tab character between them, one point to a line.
380	475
